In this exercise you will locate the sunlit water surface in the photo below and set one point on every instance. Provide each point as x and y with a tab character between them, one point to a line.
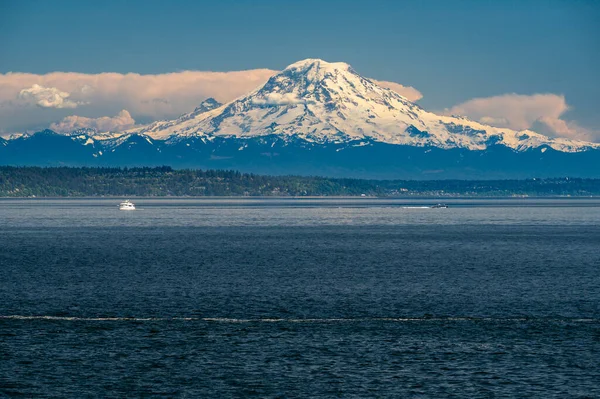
300	298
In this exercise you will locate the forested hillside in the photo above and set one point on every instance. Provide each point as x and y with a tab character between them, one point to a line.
165	181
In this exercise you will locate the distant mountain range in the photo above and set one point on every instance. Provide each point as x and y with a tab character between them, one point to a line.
317	118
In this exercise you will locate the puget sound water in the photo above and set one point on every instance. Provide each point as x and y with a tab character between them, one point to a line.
311	298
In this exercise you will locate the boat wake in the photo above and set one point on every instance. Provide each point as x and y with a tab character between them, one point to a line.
308	320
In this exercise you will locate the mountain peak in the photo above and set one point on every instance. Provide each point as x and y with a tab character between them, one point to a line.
207	105
319	64
320	101
313	70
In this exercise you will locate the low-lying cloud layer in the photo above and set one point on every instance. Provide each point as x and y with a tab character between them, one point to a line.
520	112
122	121
33	102
408	92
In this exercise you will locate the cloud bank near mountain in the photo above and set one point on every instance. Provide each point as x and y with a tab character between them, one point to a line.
46	97
37	100
63	99
119	122
408	92
520	112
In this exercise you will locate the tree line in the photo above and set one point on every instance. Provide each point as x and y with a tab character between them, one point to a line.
165	181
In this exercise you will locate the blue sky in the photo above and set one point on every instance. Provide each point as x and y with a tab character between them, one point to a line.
451	51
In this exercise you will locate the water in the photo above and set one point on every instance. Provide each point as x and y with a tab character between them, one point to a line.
300	298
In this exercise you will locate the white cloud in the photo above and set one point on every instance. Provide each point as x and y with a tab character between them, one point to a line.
488	120
121	121
408	92
46	97
520	112
569	129
513	111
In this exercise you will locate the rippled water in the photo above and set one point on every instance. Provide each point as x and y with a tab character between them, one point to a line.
300	298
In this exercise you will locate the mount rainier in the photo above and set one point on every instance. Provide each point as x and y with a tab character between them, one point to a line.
318	118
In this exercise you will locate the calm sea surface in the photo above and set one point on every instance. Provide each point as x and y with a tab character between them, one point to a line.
300	298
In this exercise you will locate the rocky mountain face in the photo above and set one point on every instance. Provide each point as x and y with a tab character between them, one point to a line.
329	102
321	118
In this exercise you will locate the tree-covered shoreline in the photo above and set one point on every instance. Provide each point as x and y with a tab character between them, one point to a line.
165	181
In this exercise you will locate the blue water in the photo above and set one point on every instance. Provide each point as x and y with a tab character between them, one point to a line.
300	298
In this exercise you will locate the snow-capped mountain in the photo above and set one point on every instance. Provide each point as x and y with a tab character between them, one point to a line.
160	129
323	102
317	118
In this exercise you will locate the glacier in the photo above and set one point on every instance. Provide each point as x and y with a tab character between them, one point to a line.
320	118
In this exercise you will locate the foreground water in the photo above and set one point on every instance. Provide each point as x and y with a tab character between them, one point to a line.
299	298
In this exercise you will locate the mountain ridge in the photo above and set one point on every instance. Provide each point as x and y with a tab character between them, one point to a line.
321	101
317	118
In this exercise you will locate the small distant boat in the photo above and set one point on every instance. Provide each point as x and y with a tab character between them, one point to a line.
426	207
439	206
127	206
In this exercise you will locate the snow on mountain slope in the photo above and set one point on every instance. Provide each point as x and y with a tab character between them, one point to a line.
158	129
329	102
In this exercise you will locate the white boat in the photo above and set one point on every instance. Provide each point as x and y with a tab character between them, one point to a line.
426	207
127	206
